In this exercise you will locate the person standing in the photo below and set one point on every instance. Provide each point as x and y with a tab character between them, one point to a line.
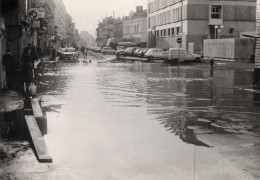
27	68
9	64
211	62
33	53
53	53
86	53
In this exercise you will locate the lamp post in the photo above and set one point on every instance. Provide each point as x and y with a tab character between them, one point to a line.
218	30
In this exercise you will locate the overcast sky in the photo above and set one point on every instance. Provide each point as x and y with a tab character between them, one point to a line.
87	13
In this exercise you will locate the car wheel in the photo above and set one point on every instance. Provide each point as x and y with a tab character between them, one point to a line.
197	60
175	60
150	58
165	60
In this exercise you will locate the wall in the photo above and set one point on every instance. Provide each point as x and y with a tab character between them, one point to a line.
257	50
141	33
235	48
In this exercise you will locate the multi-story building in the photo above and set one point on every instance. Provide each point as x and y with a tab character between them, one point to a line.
257	50
195	20
135	27
64	24
44	38
109	28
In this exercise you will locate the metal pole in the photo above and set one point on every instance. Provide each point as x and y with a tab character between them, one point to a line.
179	56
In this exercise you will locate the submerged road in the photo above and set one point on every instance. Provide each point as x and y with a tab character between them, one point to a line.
113	121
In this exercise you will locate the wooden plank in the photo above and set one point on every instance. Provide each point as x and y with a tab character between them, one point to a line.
37	111
40	147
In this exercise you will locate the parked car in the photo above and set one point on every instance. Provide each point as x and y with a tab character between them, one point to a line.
120	51
137	52
144	51
153	53
108	50
69	53
185	55
130	51
59	52
165	55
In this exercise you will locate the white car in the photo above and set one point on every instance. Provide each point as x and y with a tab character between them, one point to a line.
153	53
69	53
185	55
108	50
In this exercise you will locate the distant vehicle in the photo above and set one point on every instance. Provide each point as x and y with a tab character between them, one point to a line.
108	50
153	53
122	46
165	55
138	52
185	55
130	51
98	50
59	52
144	51
69	53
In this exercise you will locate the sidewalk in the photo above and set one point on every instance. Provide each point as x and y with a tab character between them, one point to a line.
10	101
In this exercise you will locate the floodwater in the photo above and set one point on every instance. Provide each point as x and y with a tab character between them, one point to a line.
115	121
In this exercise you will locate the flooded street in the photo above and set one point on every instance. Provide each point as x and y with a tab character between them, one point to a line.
121	120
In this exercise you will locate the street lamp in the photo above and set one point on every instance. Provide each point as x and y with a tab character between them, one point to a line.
218	30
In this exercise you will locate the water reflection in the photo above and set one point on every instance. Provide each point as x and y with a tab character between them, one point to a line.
141	121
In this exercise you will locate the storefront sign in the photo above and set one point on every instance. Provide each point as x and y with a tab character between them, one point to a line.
36	24
43	30
35	13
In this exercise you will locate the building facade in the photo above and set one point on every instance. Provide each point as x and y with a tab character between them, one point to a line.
64	25
257	50
135	27
109	28
196	20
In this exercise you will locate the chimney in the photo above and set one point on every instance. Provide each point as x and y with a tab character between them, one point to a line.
141	8
137	9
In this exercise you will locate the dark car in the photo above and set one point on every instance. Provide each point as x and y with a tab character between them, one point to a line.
130	51
138	52
144	51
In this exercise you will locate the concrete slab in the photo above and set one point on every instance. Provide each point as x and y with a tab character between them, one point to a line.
37	111
40	147
38	114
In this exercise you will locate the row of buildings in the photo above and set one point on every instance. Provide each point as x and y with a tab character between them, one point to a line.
131	28
193	20
42	22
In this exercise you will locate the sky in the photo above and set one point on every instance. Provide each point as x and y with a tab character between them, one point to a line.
87	13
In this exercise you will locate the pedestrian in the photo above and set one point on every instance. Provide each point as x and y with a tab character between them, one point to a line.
33	53
53	53
39	51
9	64
83	49
86	53
27	69
211	62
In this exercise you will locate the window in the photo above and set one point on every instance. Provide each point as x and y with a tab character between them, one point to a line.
158	33
216	12
172	31
164	32
178	30
169	32
161	33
